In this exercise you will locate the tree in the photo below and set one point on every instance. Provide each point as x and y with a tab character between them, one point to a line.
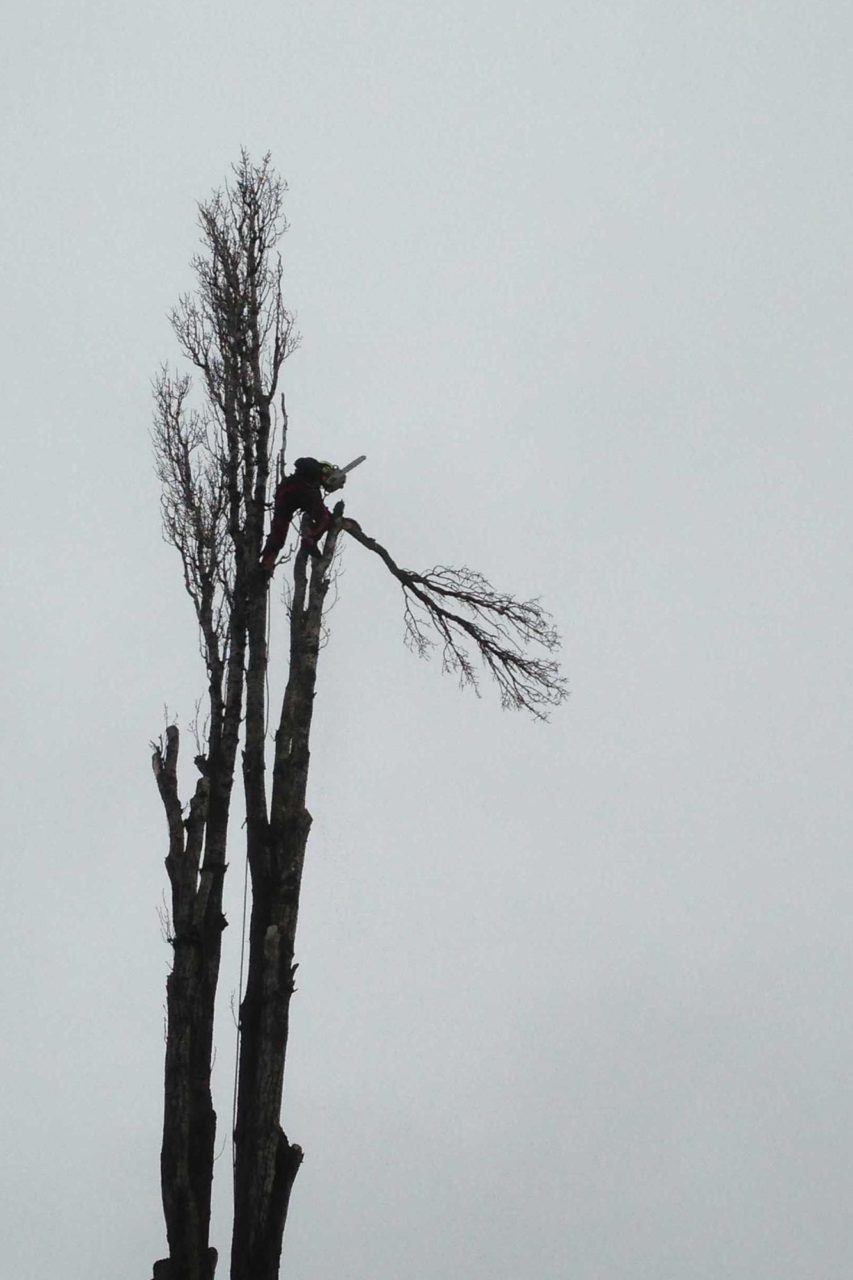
214	462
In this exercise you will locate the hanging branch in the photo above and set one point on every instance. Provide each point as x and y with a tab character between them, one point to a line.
491	624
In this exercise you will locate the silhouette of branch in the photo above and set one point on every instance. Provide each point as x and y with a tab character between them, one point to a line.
462	612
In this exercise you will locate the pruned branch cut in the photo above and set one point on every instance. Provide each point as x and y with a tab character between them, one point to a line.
462	612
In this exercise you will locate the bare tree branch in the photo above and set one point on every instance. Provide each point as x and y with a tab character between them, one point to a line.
484	623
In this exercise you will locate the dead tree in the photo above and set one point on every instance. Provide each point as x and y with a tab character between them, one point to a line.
215	464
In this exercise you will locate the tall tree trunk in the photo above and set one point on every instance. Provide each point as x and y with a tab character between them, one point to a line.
266	1163
189	1119
187	1114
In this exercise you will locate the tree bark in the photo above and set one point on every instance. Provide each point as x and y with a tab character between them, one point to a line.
189	1120
266	1163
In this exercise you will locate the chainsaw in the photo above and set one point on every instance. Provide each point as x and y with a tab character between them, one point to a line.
337	479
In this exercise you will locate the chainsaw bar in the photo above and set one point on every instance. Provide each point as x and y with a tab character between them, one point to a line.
337	478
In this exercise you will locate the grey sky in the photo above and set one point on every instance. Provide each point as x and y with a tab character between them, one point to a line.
574	1000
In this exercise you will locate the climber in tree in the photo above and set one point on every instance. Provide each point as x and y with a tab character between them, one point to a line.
301	491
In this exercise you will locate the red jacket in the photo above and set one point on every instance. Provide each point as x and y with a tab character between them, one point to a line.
294	495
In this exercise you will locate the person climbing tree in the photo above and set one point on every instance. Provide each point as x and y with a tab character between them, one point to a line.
301	491
214	463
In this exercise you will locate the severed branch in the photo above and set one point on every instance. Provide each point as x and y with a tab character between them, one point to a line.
460	610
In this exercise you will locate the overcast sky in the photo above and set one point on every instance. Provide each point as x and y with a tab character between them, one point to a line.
574	999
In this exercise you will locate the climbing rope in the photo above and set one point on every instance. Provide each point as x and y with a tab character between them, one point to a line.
239	1002
246	881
